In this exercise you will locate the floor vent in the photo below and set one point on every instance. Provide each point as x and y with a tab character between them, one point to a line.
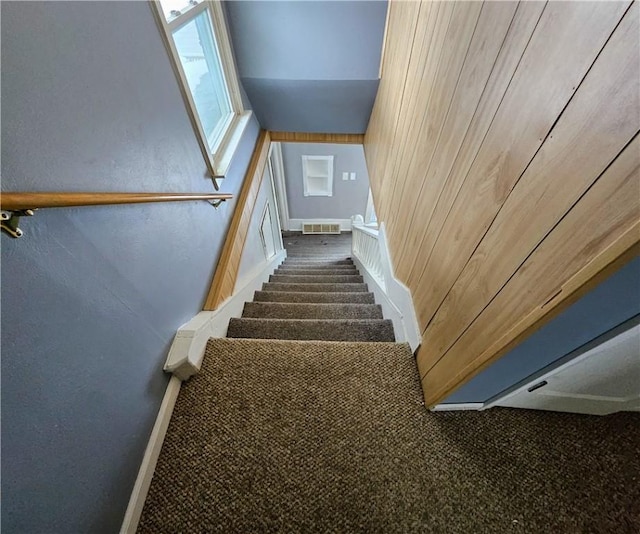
320	228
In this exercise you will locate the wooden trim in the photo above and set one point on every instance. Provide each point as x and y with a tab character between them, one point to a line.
226	273
301	137
35	200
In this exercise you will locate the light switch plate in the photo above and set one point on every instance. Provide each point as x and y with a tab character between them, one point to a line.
345	176
353	176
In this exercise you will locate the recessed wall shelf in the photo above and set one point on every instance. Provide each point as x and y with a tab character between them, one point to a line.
317	176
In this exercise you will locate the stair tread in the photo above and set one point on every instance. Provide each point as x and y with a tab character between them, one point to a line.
316	270
316	278
327	263
284	310
328	329
308	287
314	297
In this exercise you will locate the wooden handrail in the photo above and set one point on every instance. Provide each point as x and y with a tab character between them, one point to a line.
25	201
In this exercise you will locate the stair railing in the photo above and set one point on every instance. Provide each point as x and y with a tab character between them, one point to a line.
366	248
13	205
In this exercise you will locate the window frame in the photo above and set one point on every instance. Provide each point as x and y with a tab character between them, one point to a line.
219	159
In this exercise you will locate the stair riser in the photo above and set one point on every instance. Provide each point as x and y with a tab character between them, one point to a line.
317	297
316	279
310	288
313	271
342	255
324	263
311	311
335	330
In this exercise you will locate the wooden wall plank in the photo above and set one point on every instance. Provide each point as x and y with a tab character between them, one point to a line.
224	278
441	187
564	46
434	25
382	124
443	129
603	116
603	226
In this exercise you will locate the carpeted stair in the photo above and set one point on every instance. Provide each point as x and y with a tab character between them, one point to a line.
313	300
309	434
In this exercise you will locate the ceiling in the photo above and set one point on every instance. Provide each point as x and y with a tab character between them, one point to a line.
309	66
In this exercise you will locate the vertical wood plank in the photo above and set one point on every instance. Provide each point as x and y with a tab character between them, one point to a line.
439	189
603	116
603	227
563	48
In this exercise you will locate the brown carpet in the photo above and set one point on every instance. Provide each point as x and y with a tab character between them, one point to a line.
332	437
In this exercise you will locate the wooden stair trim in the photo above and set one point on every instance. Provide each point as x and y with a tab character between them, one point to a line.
225	276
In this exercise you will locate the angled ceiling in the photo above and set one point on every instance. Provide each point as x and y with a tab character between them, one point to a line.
309	66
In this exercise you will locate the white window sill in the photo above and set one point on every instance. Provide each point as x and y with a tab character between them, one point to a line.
223	158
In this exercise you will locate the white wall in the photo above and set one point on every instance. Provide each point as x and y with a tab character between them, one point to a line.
253	256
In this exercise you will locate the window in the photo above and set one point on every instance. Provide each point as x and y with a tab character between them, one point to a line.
196	37
317	176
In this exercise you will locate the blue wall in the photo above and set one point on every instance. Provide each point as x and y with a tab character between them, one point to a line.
92	297
309	66
611	303
349	197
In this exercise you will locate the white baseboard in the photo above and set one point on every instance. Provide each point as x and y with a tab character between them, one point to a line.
295	225
395	299
150	458
187	350
452	407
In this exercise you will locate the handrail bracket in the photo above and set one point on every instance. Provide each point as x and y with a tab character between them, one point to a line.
9	221
216	202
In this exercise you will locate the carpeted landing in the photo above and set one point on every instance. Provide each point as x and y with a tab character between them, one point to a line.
296	436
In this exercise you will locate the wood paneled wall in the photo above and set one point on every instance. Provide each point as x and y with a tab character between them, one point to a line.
504	160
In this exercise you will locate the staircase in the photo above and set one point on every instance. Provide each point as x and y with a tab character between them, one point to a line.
283	420
309	418
316	294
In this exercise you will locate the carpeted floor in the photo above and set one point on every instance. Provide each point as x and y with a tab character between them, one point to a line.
290	436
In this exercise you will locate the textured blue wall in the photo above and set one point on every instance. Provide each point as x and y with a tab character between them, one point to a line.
309	66
611	303
92	297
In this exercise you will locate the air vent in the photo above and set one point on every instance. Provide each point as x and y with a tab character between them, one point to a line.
320	228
